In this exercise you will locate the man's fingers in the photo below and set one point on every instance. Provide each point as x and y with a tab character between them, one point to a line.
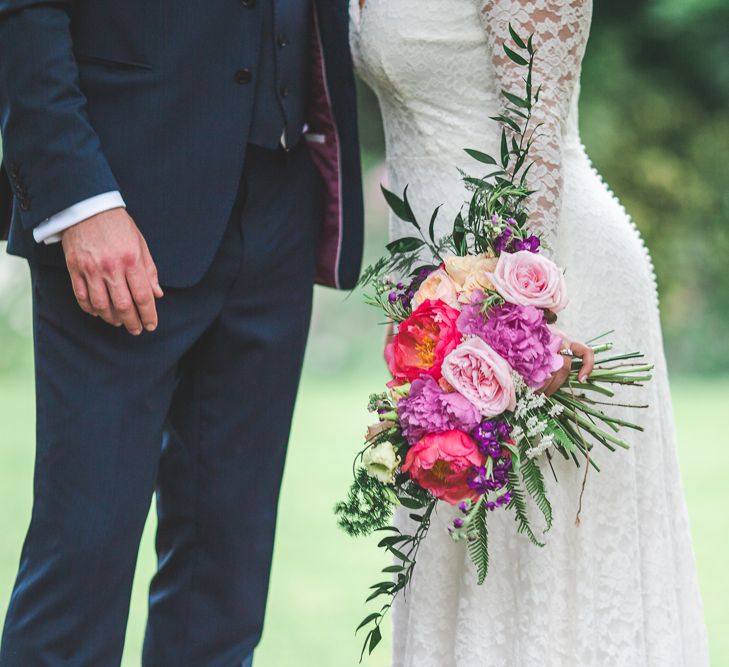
123	305
151	269
142	293
99	297
81	292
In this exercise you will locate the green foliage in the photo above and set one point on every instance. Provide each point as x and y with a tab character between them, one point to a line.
534	483
404	550
478	542
368	506
519	505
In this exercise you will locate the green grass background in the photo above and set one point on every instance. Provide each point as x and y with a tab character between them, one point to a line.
319	574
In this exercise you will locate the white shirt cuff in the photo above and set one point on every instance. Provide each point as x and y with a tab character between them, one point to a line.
49	231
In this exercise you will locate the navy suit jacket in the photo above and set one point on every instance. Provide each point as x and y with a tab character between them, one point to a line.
148	98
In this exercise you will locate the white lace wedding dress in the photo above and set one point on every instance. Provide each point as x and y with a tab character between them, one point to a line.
620	590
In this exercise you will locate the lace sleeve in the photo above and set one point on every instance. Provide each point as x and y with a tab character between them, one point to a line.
560	29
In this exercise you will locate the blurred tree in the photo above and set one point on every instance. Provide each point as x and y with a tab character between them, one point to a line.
654	119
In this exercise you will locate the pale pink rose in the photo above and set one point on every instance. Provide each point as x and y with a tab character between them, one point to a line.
477	372
437	286
528	279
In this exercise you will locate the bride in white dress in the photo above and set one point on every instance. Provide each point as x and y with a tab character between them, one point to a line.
620	590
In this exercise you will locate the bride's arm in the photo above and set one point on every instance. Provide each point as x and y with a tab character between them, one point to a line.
560	29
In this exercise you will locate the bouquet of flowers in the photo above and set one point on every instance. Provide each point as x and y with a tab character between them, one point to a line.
463	420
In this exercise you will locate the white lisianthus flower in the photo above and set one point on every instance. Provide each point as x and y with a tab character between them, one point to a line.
381	462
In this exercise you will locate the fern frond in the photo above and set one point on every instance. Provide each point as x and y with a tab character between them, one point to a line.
534	481
478	545
518	504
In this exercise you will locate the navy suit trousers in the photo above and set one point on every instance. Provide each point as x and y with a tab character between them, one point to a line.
198	411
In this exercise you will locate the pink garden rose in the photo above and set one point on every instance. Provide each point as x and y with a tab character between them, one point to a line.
476	371
528	279
422	342
441	462
520	334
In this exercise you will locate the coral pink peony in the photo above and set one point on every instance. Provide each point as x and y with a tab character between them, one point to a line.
527	279
475	370
441	463
423	341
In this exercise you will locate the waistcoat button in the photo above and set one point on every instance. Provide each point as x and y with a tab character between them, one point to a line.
243	75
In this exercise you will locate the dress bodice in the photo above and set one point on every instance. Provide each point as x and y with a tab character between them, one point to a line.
438	69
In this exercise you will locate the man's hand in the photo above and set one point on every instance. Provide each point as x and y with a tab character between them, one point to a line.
112	273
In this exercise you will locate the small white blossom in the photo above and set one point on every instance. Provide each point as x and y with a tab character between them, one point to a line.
381	462
556	410
544	444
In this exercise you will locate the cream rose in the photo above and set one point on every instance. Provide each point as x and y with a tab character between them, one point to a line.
528	279
437	285
470	273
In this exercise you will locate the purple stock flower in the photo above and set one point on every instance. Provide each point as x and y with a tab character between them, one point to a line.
429	409
520	334
480	482
506	242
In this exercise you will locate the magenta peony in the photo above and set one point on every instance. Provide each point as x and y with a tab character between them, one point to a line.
520	334
430	409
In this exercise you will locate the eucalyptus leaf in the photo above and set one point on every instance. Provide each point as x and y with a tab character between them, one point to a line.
399	206
481	157
405	244
504	149
368	619
431	226
515	99
517	40
519	60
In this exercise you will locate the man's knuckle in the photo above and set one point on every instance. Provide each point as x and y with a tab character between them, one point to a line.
88	266
129	258
144	300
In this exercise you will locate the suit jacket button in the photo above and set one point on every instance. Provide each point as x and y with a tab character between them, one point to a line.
243	76
284	91
24	204
248	3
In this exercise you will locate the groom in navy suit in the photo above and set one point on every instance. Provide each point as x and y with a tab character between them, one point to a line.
178	175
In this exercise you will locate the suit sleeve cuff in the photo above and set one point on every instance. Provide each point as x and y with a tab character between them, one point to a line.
49	231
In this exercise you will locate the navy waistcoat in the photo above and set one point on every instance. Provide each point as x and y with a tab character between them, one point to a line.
280	106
